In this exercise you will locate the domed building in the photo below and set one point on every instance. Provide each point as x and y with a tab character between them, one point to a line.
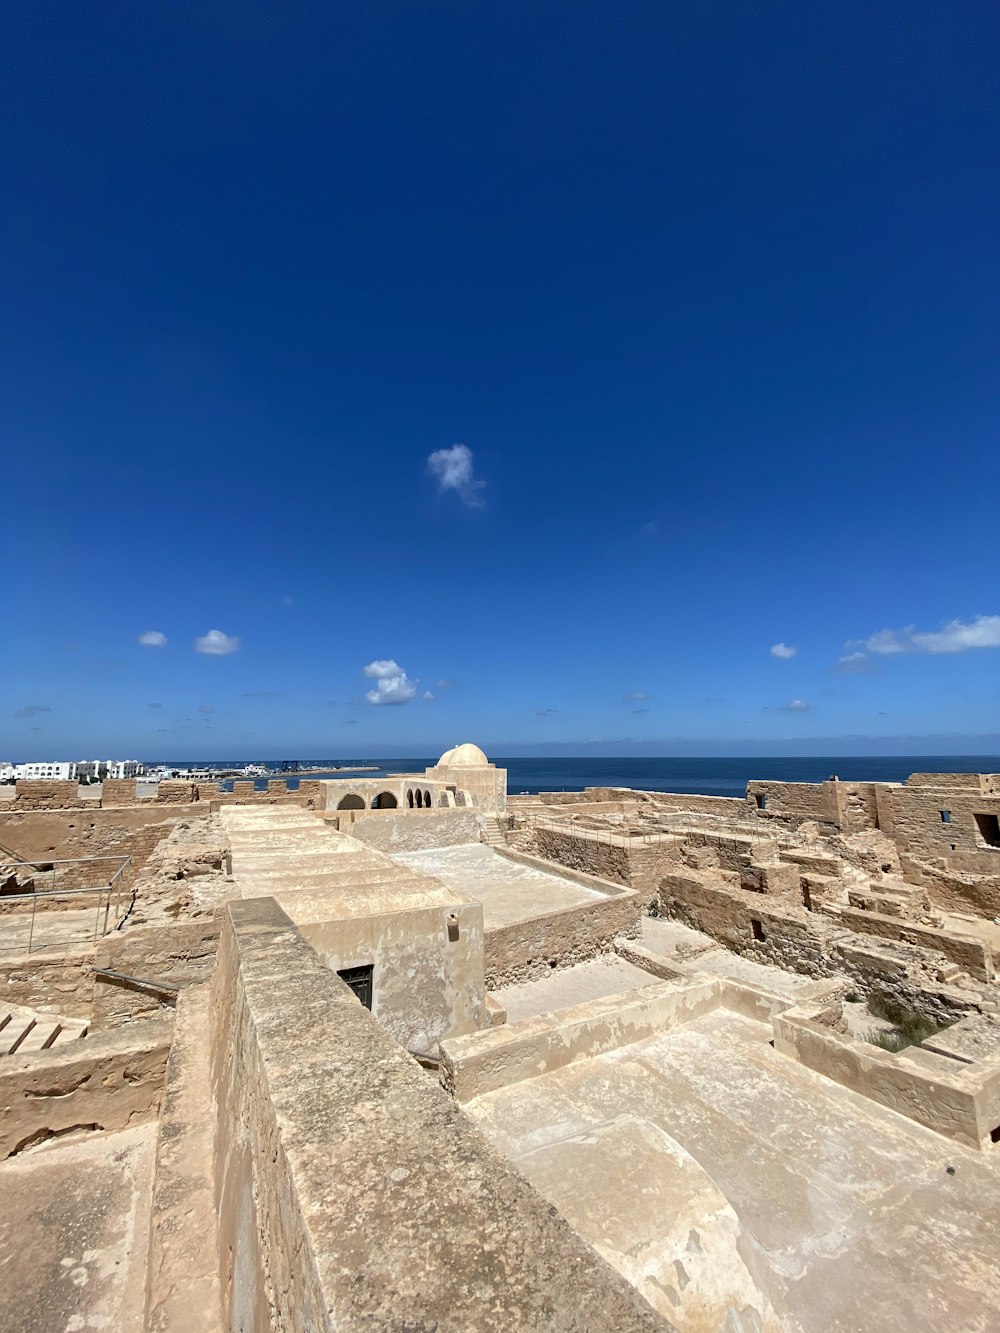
466	769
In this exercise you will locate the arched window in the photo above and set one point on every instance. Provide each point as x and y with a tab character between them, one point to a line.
350	802
385	801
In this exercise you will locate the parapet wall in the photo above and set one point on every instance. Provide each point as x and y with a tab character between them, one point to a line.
352	1192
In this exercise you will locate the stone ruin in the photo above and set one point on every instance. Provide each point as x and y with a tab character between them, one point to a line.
610	1059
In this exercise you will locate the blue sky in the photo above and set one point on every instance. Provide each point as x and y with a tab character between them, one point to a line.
707	293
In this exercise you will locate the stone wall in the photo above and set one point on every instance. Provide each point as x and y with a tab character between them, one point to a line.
62	982
526	949
351	1191
100	1083
41	794
178	955
85	830
415	830
961	1101
486	1061
914	815
427	962
972	955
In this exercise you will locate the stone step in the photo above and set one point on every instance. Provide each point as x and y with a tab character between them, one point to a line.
23	1030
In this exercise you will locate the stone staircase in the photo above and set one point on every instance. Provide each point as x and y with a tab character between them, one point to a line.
491	832
23	1031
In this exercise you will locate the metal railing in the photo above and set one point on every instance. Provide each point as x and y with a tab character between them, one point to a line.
110	908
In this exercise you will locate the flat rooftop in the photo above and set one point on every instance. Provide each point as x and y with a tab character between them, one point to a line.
849	1217
508	891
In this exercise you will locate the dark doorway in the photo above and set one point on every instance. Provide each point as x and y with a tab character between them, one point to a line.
384	801
989	829
360	981
351	803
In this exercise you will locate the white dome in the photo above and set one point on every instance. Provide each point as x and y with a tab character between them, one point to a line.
465	756
446	758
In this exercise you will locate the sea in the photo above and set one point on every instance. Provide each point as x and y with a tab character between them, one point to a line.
704	777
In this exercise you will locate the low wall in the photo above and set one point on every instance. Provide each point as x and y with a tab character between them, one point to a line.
352	1193
177	955
526	949
485	1061
574	849
63	982
961	1101
972	954
104	1082
414	830
728	807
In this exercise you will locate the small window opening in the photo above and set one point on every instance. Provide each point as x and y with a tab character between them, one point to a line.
761	800
989	829
995	1135
758	928
807	901
360	981
945	816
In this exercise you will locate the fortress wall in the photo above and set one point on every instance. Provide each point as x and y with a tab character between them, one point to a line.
728	807
796	800
86	830
40	794
327	1214
918	828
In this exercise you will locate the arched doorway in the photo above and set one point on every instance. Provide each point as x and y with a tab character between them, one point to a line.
427	799
385	801
409	798
350	802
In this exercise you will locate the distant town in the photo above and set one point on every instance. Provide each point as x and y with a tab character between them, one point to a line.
87	771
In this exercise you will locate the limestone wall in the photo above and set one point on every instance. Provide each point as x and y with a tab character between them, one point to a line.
915	817
177	955
526	949
351	1191
61	981
973	955
85	830
415	830
40	794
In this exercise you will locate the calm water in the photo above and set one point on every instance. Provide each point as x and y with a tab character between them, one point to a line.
706	777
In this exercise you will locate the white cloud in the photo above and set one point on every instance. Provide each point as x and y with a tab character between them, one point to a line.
955	636
206	708
153	639
453	470
427	696
637	697
783	650
795	706
854	662
393	685
216	644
